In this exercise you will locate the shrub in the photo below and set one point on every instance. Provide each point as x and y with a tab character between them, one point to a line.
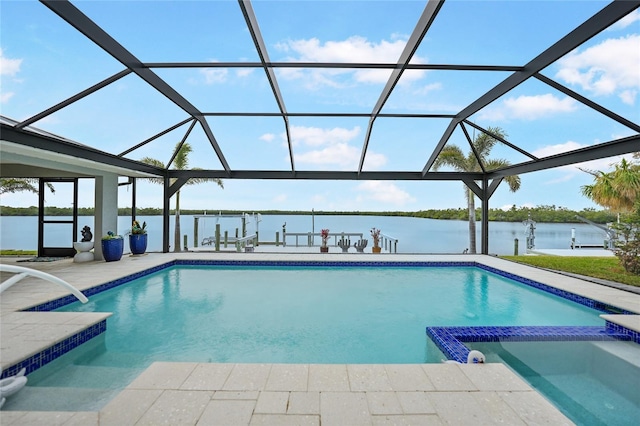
628	247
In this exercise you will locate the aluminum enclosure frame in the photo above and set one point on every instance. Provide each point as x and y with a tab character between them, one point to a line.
483	183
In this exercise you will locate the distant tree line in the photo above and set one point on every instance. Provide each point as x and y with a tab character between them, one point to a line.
68	211
542	214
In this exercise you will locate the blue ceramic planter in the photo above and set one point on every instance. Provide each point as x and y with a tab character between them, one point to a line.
138	243
112	249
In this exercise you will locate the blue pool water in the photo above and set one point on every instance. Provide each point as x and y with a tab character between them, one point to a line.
288	315
314	315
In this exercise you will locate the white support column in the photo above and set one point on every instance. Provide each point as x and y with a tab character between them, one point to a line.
106	211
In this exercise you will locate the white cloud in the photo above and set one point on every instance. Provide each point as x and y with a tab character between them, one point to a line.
8	66
626	21
326	147
244	72
569	172
316	136
608	68
339	154
628	96
353	49
4	97
428	88
529	107
604	164
267	137
386	193
373	160
549	150
214	75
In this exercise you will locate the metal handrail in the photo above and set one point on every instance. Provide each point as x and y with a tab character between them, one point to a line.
389	243
242	242
310	237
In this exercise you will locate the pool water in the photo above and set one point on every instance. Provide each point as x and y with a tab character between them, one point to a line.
292	315
314	315
592	383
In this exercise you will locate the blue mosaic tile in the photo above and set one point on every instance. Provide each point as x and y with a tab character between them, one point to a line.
450	339
279	263
616	328
47	355
585	301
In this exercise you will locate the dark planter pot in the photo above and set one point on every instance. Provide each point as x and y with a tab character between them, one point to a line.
324	249
112	249
376	249
138	243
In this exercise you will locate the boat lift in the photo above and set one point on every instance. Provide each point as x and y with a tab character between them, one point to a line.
529	231
609	243
245	218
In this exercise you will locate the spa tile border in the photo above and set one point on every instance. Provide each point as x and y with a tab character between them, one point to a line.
617	328
450	339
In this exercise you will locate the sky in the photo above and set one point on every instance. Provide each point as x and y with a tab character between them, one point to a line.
44	61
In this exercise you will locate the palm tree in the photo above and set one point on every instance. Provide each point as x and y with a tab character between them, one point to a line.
180	162
12	185
454	157
618	190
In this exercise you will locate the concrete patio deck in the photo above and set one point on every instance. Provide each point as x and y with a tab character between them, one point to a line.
259	394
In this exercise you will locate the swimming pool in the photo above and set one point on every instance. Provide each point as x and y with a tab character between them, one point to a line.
301	313
309	314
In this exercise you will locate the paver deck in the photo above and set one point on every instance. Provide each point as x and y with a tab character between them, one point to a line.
282	394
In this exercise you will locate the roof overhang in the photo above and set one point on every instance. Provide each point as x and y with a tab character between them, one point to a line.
28	154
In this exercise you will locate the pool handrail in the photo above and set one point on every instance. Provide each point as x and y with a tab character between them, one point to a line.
22	272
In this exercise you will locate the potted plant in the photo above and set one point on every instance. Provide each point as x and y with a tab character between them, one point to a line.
138	238
325	238
375	234
112	247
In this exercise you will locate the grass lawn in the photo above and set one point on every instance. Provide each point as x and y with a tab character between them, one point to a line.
606	268
18	253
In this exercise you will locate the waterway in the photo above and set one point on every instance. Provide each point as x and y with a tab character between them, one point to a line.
414	235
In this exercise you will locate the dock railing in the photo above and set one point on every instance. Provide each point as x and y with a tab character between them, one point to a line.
308	239
389	243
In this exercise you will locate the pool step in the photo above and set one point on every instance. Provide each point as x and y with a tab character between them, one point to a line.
35	398
108	359
630	352
82	376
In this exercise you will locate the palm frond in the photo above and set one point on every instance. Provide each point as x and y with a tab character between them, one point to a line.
513	182
181	161
485	142
618	190
451	156
13	185
156	163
